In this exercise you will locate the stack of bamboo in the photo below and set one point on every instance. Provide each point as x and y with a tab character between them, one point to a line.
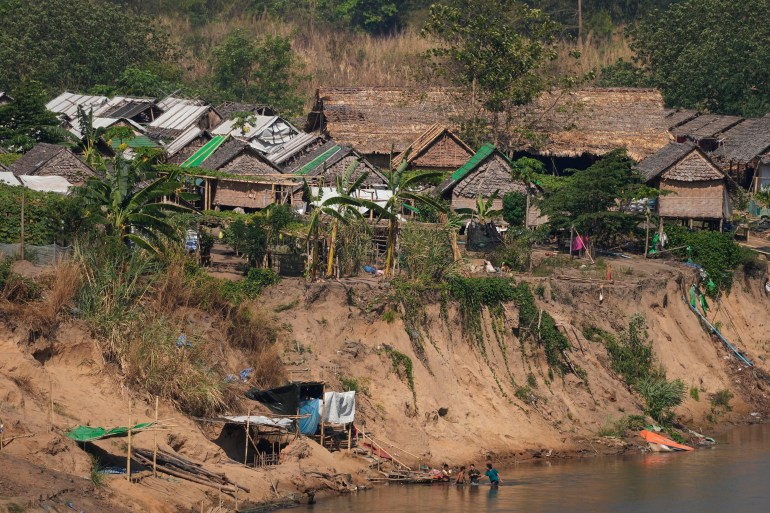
178	466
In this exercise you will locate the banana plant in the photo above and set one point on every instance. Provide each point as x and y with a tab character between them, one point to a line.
401	186
129	203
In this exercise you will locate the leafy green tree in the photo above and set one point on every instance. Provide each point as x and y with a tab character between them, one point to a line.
373	16
129	203
25	121
514	208
624	74
134	81
494	48
709	54
75	44
264	70
584	199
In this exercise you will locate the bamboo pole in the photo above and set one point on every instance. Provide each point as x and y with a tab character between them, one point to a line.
246	443
350	435
155	443
128	457
571	229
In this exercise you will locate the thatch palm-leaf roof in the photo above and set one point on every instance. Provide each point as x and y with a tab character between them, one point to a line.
438	134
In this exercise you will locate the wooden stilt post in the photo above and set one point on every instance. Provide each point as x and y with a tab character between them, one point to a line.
128	457
323	412
350	435
155	442
246	450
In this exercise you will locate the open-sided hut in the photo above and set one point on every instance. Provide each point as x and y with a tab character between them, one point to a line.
52	160
697	188
438	148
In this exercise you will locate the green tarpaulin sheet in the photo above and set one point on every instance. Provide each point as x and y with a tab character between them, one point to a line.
88	434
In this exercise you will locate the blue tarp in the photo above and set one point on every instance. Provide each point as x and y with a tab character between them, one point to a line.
309	425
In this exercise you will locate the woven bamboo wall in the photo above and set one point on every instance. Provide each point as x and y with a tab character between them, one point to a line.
243	194
692	200
444	153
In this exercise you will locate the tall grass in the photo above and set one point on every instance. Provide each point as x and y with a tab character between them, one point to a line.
342	58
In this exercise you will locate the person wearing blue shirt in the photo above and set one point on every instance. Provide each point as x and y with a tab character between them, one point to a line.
491	473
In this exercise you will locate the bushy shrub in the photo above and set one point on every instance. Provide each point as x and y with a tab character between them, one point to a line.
716	252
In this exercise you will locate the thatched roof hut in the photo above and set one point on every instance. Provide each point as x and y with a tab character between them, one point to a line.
745	142
52	160
697	187
378	120
330	160
438	148
487	172
595	121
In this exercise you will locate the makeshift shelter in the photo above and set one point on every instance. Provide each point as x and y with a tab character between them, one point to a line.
57	184
186	144
697	187
51	160
436	149
264	133
287	155
301	399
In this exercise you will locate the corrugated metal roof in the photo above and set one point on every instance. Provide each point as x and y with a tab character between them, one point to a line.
282	153
105	123
124	107
264	134
197	158
180	116
183	140
67	103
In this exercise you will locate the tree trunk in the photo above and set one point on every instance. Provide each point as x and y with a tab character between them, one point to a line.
391	246
330	265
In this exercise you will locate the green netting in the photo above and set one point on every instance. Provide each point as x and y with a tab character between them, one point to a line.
88	434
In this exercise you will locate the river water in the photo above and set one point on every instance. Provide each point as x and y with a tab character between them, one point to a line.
732	477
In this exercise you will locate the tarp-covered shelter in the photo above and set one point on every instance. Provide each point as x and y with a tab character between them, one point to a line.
697	188
285	400
264	133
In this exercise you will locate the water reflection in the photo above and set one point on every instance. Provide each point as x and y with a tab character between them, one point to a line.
730	477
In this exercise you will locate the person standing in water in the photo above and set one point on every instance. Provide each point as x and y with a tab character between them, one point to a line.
491	473
460	476
474	474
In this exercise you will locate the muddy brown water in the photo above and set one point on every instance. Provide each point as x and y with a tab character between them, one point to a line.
732	477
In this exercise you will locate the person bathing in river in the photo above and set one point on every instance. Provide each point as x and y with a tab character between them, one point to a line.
446	472
460	476
474	474
491	473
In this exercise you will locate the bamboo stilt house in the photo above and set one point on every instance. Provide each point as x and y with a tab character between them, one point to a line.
697	188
